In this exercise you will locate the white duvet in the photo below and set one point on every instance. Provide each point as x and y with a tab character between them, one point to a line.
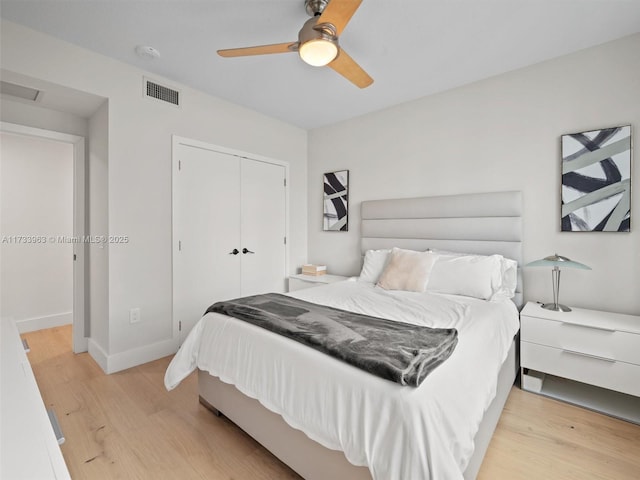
397	432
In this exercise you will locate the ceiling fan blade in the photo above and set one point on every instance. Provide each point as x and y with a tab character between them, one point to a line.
258	50
349	69
339	12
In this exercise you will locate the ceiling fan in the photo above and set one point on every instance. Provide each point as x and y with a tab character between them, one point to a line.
317	41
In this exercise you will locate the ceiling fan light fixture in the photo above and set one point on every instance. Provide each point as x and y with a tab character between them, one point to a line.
318	52
318	43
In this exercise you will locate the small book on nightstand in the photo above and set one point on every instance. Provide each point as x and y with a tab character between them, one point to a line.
311	269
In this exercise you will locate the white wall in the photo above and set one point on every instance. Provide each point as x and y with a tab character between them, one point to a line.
36	176
139	176
499	134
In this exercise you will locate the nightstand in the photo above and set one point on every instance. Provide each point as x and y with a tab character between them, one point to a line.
585	357
300	281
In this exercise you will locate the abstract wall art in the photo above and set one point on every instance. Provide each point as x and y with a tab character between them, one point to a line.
336	201
596	181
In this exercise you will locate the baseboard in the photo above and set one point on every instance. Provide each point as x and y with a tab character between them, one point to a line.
98	354
131	358
48	321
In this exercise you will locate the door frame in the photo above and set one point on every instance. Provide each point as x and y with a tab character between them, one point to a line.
176	142
80	331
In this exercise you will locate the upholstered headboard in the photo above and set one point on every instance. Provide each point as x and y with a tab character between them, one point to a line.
481	223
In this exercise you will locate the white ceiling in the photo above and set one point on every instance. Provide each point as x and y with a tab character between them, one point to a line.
411	48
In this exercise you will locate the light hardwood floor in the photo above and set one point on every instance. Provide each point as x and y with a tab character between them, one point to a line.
127	426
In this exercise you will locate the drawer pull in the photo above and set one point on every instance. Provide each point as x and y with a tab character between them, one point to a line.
597	357
56	426
610	330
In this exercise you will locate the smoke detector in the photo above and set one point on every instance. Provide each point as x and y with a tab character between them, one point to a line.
147	52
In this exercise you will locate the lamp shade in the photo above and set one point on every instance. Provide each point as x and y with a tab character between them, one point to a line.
318	52
557	261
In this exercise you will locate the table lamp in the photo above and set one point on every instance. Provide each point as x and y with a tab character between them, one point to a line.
556	261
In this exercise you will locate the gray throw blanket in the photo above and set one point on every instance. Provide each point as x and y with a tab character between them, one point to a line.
400	352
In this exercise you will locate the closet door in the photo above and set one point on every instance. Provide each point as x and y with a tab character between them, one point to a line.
229	227
263	227
206	215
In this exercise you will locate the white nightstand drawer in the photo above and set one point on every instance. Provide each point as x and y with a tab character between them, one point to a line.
598	341
603	372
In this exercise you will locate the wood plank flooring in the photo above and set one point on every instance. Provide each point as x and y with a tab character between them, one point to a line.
127	426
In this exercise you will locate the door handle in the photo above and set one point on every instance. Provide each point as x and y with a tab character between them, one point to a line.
245	250
235	251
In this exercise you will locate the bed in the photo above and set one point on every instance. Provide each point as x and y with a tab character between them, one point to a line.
326	419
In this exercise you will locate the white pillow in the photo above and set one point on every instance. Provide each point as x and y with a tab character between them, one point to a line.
475	276
508	274
509	280
407	270
373	265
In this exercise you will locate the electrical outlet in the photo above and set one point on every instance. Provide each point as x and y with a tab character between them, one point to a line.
134	315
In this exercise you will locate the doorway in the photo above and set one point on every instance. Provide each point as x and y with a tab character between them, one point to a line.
42	174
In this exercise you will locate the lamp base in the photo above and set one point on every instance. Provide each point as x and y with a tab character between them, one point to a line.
556	307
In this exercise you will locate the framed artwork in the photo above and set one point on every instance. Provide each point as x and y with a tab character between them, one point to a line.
336	201
596	181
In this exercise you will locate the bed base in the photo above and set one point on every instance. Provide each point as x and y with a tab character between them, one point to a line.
308	458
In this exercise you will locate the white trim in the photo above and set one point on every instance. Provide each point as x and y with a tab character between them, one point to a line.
39	132
177	140
48	321
80	334
131	358
80	340
98	354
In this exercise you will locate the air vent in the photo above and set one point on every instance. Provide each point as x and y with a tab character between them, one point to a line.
160	92
19	91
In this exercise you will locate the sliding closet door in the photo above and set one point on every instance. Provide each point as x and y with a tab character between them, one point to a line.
263	227
206	215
